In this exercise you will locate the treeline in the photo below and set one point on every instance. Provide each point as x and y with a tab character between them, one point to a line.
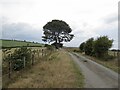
19	40
97	47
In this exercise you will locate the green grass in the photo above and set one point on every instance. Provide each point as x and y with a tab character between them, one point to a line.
58	71
14	43
111	64
80	78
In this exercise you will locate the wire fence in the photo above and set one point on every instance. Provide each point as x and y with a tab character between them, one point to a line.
8	66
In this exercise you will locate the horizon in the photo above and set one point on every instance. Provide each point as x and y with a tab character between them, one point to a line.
48	44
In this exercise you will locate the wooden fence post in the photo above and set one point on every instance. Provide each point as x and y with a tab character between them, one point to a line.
114	53
117	53
32	59
24	61
38	53
42	52
9	69
9	66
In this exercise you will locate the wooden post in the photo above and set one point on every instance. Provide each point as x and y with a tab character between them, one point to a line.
114	53
32	60
38	54
117	53
24	61
9	66
9	69
34	57
42	52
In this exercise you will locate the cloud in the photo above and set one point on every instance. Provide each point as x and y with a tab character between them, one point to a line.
111	18
86	19
109	28
21	31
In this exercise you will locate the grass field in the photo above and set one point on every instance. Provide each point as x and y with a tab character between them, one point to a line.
14	43
55	72
113	53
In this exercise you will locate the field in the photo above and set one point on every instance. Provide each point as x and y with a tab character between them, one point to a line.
14	43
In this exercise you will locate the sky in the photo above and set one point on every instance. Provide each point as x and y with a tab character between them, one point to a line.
24	19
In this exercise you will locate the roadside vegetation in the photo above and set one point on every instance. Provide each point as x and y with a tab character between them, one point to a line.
53	72
98	50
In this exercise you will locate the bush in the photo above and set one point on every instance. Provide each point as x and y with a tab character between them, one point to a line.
82	47
50	47
17	58
89	46
76	50
108	57
102	45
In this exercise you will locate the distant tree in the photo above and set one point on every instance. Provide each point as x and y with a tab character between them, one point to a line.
89	46
102	45
57	31
82	46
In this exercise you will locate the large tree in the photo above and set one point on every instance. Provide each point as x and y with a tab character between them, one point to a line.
57	31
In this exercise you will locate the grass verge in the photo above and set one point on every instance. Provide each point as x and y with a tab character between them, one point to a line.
111	64
79	75
57	71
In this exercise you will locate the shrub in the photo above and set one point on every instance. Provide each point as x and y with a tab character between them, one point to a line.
76	50
17	57
89	46
102	45
50	47
82	47
108	57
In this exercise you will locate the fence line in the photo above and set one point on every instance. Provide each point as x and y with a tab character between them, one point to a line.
35	55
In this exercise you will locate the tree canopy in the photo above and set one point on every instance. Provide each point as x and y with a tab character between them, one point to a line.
82	46
89	46
98	47
102	45
57	31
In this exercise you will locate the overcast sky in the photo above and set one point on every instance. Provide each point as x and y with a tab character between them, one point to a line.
24	19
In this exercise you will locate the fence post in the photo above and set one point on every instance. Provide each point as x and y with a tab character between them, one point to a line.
9	69
32	59
24	61
42	52
9	66
38	53
114	53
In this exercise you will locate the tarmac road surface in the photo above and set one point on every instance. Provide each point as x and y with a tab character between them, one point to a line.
96	75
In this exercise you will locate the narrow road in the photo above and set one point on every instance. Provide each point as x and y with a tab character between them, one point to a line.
96	75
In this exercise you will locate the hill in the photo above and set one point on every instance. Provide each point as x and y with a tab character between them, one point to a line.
15	43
